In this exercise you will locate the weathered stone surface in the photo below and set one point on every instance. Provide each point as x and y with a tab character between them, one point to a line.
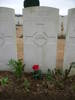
70	40
40	29
7	37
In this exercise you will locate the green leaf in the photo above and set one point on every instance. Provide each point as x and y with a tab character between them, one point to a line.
4	81
16	67
73	64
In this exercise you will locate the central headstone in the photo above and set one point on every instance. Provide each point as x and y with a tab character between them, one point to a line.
7	37
40	28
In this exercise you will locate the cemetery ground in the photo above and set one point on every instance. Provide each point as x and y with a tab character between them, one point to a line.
28	88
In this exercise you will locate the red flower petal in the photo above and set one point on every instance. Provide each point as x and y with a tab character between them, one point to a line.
35	67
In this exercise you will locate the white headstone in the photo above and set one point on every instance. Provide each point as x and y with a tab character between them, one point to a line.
40	29
69	55
7	37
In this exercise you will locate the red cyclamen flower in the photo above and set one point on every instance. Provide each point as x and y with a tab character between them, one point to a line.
35	67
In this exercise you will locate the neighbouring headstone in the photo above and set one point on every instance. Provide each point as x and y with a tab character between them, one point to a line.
40	29
69	55
7	37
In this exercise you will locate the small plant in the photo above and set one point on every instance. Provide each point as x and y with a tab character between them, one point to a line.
17	67
59	72
37	74
67	71
55	77
26	85
49	76
4	81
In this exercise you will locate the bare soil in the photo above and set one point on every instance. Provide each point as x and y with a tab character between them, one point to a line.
40	89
